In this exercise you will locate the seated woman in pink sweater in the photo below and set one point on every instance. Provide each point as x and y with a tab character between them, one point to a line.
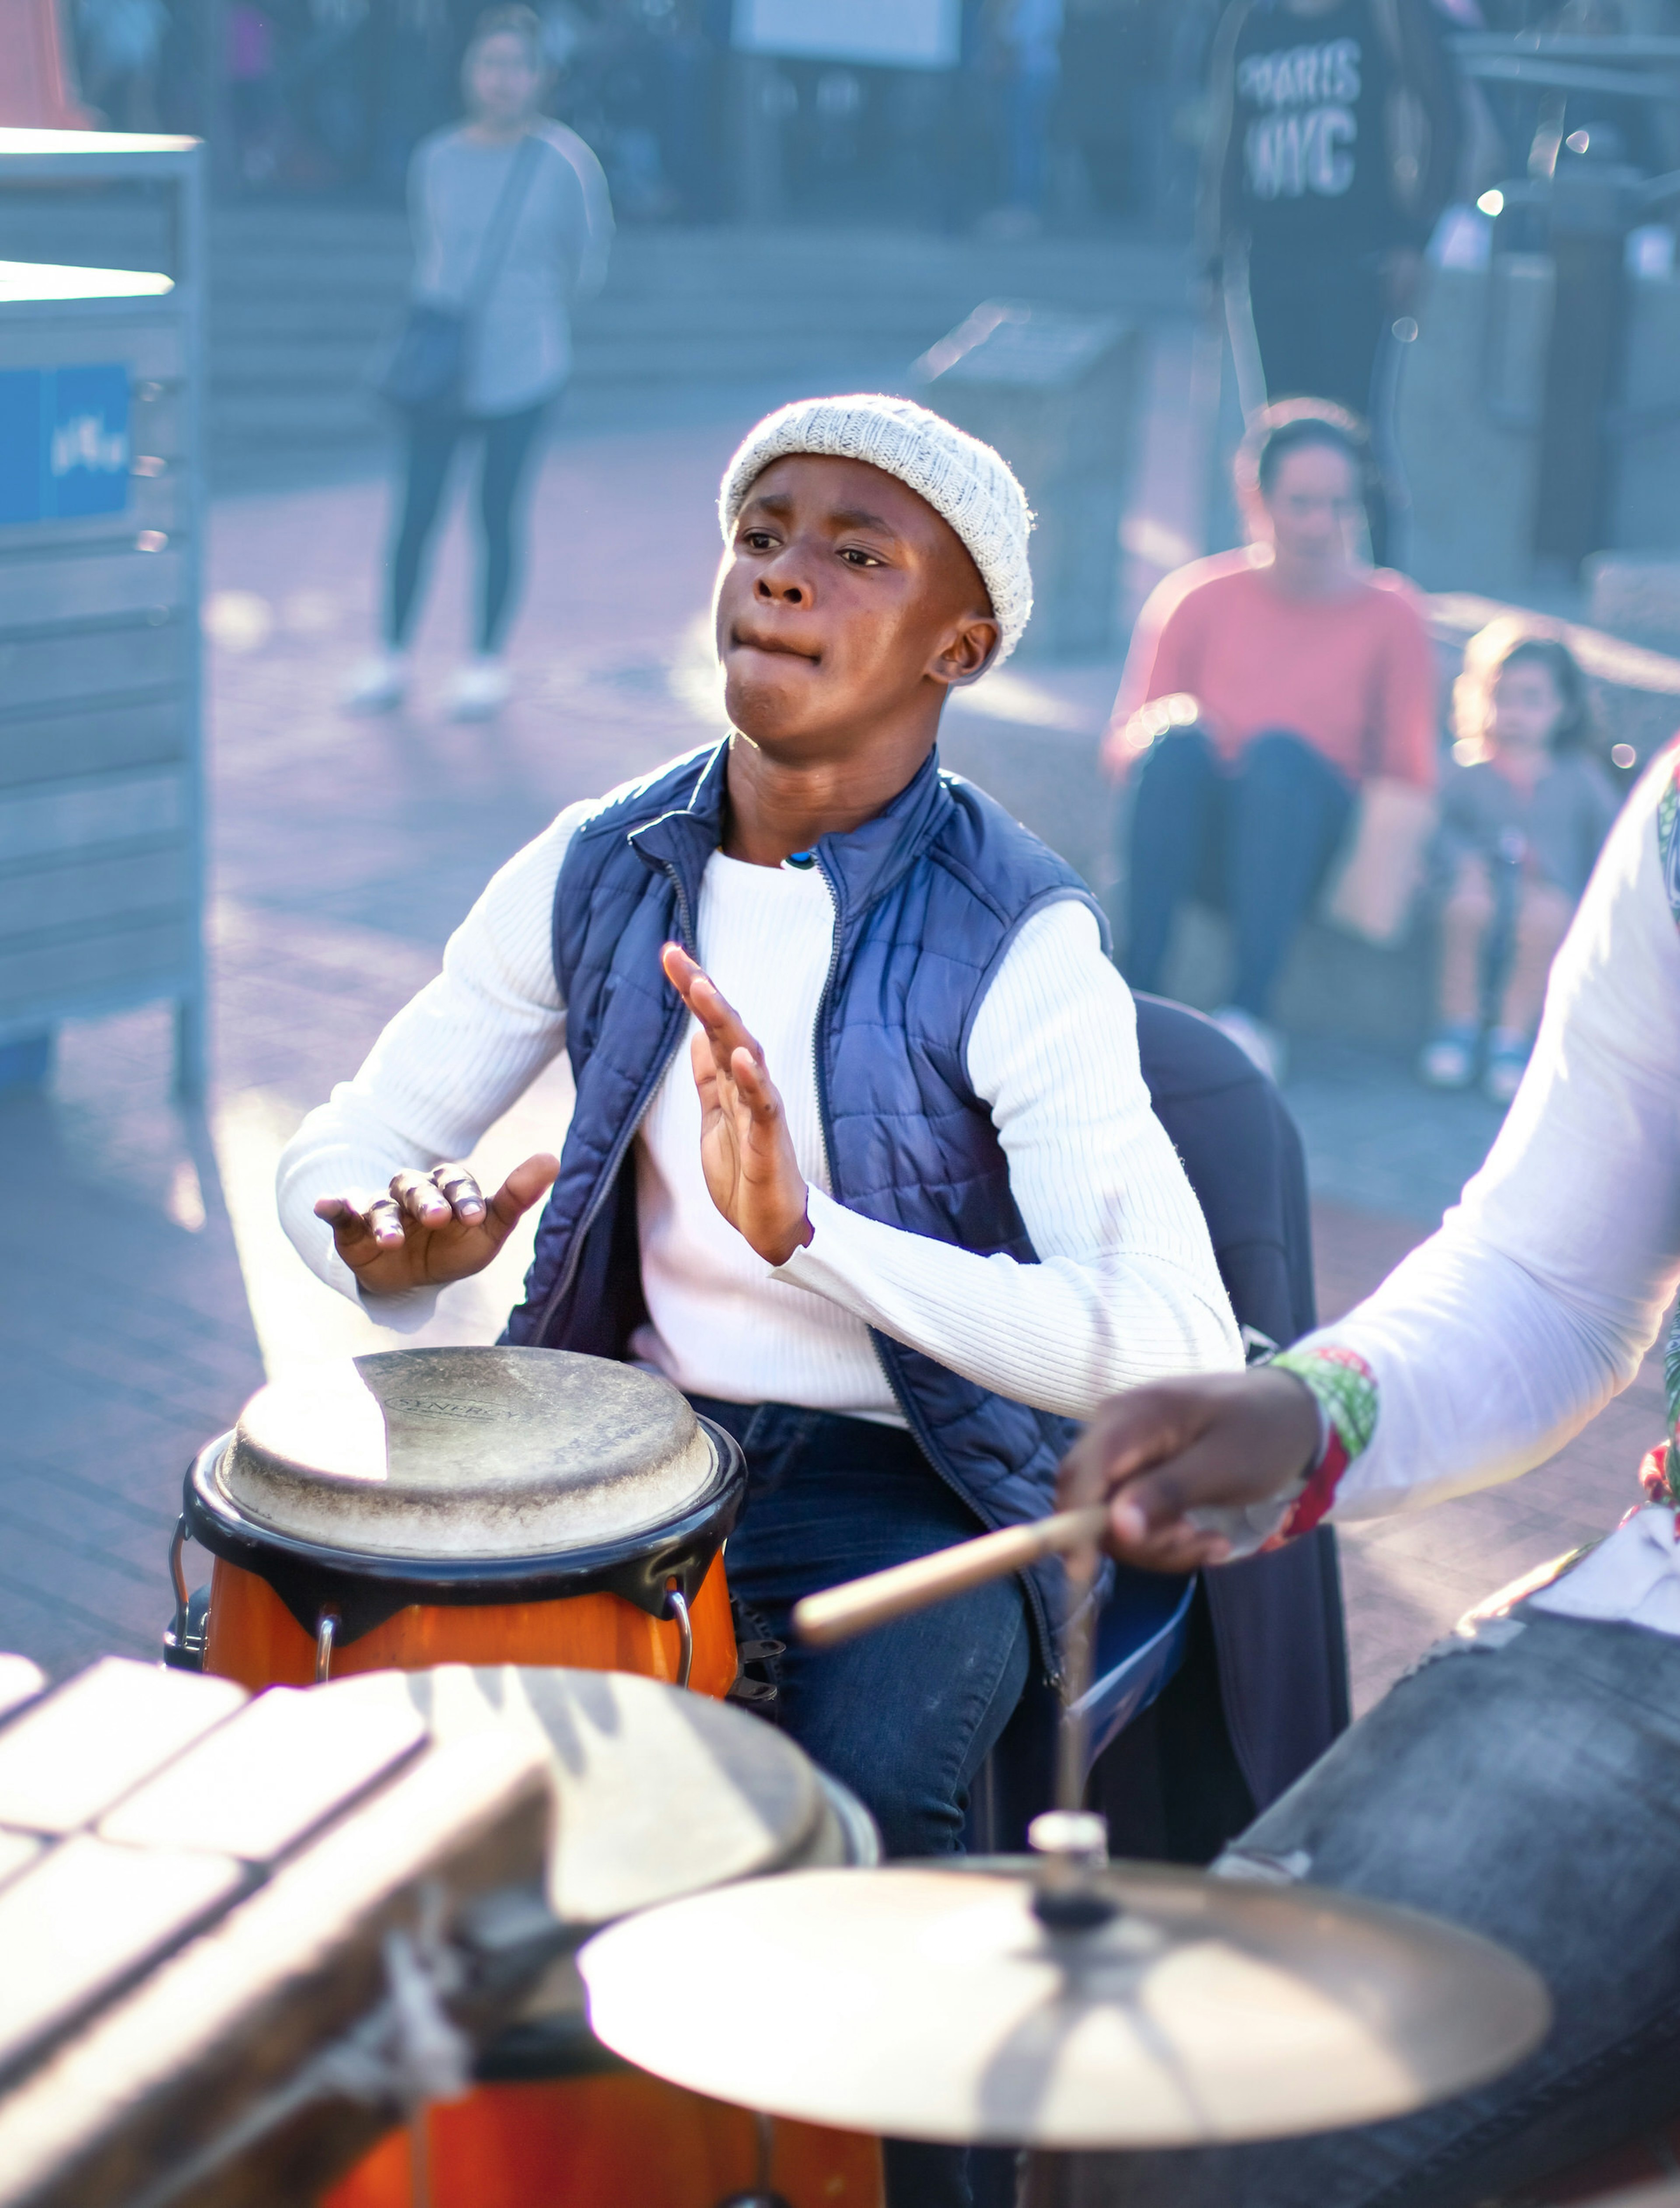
1262	688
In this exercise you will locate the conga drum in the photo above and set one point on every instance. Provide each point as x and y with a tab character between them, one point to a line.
659	1795
479	1506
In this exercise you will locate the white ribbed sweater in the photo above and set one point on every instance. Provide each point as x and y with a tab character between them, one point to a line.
1126	1289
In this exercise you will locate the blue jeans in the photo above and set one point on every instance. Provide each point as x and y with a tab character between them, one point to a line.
907	1714
511	445
1254	837
1523	1785
904	1715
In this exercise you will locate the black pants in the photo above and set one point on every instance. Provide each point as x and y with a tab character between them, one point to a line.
1332	340
509	446
1254	838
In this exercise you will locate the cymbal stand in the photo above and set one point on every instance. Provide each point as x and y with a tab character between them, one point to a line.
1072	1843
760	2195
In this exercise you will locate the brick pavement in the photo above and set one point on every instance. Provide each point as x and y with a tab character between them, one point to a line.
345	851
126	1340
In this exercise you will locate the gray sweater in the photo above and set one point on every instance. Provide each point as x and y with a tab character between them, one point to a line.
520	347
1558	831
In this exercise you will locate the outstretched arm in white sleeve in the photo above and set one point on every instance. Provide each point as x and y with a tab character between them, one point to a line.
1500	1337
367	1189
1513	1325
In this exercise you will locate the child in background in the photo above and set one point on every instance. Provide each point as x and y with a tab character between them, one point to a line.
1524	809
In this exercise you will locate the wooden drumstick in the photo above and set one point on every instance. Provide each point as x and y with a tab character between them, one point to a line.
838	1612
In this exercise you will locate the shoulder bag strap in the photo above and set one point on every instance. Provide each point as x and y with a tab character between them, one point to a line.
500	232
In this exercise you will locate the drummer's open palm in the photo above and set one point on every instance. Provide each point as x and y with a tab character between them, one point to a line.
747	1152
430	1229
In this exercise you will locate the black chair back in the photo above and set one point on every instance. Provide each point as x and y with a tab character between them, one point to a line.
1263	1689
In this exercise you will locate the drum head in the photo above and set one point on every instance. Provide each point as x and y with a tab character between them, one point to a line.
659	1792
466	1453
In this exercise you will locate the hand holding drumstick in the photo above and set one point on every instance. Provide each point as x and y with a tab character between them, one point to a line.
1133	1482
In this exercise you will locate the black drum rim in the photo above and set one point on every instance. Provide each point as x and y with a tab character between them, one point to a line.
365	1588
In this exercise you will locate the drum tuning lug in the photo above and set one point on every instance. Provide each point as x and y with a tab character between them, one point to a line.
755	2200
184	1636
756	1694
676	1606
184	1642
327	1633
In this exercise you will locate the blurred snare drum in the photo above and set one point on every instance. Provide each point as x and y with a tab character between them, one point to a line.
658	1795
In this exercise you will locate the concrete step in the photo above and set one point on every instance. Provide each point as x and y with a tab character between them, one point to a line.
686	262
245	365
295	414
303	298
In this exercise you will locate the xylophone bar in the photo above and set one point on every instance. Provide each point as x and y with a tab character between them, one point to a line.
339	1910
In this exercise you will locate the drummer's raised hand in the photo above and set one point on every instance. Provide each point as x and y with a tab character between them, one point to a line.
746	1150
1161	1451
431	1228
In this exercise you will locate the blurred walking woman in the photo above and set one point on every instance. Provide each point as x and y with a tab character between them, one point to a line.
512	225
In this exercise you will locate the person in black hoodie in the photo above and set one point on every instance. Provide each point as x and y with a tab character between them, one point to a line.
1336	137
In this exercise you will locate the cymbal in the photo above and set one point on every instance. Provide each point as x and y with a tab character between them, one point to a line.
933	2004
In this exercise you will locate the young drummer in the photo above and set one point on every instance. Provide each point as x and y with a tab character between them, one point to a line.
901	1211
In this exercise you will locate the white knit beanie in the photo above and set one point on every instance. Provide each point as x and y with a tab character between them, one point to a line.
971	485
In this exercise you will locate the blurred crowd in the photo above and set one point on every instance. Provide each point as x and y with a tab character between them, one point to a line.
1067	112
1068	107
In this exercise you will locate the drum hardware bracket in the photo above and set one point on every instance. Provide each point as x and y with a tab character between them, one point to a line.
676	1606
327	1633
184	1636
755	1685
752	1694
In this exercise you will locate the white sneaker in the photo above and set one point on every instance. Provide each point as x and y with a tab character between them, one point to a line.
480	689
1261	1045
379	684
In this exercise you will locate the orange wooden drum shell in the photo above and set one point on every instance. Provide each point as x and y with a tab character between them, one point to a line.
602	2142
620	2140
254	1638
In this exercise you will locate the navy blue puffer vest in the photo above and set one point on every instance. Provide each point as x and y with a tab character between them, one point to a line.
928	896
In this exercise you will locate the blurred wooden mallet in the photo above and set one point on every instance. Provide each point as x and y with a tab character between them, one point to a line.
838	1612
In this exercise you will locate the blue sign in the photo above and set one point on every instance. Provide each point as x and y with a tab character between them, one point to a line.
64	442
